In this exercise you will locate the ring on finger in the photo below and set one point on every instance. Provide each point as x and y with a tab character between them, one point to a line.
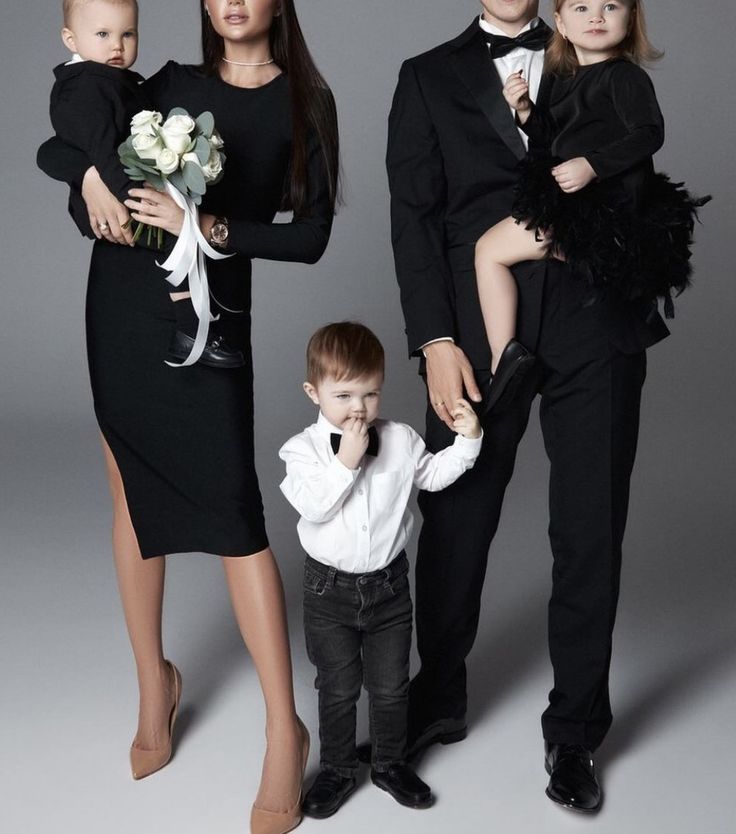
103	227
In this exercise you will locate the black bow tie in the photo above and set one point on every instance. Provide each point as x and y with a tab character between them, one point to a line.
534	39
372	442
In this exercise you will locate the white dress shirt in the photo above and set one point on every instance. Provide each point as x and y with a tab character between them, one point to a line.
529	60
357	520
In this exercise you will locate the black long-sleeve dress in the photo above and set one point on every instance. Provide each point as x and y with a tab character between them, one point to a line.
631	228
183	438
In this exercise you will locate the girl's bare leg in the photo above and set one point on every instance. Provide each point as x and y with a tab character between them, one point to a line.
505	244
141	585
257	597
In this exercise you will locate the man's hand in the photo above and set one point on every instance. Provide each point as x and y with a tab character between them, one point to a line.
448	373
574	174
353	443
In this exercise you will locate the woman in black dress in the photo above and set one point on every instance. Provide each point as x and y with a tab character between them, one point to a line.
179	442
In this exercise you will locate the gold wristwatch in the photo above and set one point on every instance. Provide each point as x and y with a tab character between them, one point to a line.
219	233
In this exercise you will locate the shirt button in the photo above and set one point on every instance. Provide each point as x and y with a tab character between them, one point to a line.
365	528
360	492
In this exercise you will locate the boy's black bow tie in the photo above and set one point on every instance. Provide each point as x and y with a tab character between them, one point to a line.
372	442
534	39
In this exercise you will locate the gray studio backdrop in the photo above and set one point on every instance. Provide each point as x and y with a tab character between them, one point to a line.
54	511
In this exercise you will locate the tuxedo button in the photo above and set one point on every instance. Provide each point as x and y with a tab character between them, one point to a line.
365	528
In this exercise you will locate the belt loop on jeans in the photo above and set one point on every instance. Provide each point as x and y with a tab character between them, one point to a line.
330	578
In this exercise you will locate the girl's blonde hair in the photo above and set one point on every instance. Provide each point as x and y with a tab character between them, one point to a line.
560	57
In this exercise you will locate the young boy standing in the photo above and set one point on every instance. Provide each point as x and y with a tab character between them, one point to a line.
350	475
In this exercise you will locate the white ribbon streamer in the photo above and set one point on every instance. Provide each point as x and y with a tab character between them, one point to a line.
188	259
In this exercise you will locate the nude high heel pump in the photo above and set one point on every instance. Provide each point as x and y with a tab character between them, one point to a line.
279	822
145	762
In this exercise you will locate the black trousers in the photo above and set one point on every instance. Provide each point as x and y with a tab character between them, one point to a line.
358	632
590	398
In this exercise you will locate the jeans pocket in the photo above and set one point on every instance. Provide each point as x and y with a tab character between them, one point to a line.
314	582
398	585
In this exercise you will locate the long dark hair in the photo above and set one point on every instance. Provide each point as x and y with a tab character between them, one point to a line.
312	104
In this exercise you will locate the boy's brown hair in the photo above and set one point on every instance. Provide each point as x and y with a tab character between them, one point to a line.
69	6
344	350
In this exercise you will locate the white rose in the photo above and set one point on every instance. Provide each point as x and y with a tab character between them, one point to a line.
216	140
167	161
145	122
213	168
175	132
147	146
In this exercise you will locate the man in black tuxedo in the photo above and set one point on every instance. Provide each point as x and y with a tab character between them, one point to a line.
452	155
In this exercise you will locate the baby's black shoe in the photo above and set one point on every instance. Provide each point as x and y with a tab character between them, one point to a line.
216	354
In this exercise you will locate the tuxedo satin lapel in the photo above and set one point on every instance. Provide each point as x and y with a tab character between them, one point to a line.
473	64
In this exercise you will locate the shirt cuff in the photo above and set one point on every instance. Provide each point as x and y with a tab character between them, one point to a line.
340	472
468	447
432	341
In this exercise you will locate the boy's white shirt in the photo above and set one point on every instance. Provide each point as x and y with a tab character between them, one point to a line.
357	520
76	59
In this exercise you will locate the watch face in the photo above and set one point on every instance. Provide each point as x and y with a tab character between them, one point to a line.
219	233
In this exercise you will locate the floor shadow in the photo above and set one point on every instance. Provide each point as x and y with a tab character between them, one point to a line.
659	703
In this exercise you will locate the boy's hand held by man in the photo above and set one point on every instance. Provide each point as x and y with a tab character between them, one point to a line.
465	420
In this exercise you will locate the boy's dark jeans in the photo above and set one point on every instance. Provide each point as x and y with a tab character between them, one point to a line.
358	631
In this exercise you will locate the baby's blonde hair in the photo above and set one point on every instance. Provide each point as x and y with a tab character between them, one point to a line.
70	6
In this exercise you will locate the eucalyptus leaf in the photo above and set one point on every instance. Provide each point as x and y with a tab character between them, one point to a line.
206	123
141	165
202	149
194	178
177	180
177	111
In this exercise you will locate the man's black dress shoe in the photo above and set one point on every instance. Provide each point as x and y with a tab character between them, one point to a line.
216	354
442	731
404	785
512	367
327	794
572	779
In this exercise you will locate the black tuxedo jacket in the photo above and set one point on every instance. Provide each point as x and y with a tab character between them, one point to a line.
453	152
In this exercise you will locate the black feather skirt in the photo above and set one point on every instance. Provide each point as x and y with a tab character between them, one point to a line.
641	252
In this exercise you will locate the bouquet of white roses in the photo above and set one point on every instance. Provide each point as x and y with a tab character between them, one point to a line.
185	152
181	156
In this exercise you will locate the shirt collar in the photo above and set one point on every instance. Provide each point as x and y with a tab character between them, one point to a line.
325	427
494	30
76	59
